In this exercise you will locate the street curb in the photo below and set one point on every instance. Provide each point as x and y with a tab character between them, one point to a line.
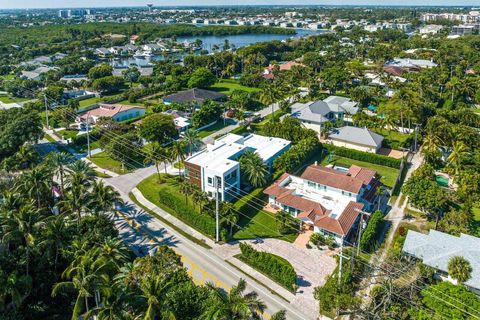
167	216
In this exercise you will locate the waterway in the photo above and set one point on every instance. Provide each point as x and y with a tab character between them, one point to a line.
208	42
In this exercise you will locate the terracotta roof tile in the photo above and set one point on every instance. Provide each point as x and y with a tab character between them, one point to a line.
333	178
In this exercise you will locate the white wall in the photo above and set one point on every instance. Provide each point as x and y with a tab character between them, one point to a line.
353	146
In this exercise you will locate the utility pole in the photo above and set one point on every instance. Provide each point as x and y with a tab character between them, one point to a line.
46	110
89	154
340	275
217	210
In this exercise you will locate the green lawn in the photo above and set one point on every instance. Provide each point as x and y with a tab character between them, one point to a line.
138	103
389	175
10	99
67	134
255	222
93	100
106	162
214	128
227	86
396	138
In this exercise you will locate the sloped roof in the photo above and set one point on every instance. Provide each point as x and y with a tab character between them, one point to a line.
108	110
356	135
318	110
335	178
195	94
344	223
437	248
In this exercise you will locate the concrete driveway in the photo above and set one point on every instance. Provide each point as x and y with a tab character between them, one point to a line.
311	265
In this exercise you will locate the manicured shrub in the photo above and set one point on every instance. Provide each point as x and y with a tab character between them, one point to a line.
273	266
368	240
203	222
297	155
364	156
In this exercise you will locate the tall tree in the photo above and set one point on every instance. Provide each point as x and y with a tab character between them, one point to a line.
459	269
253	168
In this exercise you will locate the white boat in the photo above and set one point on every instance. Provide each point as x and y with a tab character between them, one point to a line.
148	54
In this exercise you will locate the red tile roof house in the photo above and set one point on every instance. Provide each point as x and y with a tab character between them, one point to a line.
268	73
328	200
117	112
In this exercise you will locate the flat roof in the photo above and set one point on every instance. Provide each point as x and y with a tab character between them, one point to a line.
221	155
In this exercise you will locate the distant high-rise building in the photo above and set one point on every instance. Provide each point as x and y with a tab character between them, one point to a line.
149	7
63	14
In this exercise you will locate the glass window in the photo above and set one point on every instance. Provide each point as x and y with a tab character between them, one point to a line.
210	181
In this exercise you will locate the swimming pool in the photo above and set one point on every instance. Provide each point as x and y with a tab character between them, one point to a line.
340	168
441	181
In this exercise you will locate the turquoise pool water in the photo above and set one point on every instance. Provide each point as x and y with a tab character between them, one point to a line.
442	181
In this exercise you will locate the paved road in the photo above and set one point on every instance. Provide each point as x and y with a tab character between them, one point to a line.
144	232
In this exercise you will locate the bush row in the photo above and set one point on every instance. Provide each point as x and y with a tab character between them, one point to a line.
275	267
202	222
297	155
364	156
368	241
81	140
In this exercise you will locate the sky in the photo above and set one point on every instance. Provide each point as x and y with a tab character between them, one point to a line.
11	4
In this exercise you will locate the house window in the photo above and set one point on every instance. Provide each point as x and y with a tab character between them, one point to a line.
210	181
311	184
343	193
349	194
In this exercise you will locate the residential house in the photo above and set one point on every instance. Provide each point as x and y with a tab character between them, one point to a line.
285	66
219	162
356	138
181	120
327	200
436	248
116	112
195	95
151	48
430	29
313	115
103	52
37	74
411	64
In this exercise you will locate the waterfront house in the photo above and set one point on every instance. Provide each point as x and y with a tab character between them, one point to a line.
284	66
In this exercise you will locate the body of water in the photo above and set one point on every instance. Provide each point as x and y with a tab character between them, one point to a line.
239	40
242	40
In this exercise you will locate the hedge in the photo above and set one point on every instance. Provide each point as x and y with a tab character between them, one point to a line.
364	156
81	140
203	222
368	240
297	155
271	265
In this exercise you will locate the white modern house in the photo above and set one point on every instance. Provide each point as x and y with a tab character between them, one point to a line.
328	200
436	248
218	162
315	114
357	138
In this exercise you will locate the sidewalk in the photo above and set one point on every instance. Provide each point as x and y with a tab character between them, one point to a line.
167	216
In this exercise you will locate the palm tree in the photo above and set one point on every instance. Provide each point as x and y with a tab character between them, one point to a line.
114	252
253	168
453	85
103	198
234	304
190	136
35	184
186	189
459	269
76	200
280	315
11	286
22	226
459	153
269	96
55	237
87	276
155	154
80	173
178	153
154	288
59	162
229	214
430	147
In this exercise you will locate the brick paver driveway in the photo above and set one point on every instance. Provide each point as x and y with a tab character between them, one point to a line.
311	265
